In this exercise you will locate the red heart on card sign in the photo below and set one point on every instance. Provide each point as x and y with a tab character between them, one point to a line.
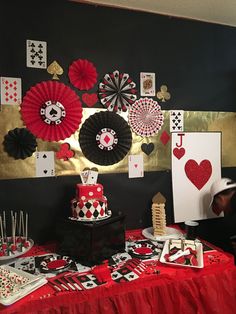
135	165
179	152
90	99
198	174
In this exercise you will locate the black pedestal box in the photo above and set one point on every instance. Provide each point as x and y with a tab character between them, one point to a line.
91	243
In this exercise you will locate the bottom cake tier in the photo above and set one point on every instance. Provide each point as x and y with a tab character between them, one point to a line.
89	209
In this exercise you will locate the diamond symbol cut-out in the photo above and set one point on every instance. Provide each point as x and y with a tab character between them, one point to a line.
165	137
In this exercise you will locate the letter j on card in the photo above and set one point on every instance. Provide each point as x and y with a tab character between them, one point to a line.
196	164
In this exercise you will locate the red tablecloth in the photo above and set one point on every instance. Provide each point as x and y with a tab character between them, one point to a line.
175	290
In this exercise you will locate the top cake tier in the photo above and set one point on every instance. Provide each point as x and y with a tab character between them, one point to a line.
93	191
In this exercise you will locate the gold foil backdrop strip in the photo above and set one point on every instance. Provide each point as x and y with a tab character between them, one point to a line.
159	159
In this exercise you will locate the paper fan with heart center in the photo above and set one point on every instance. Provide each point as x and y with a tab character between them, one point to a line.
117	91
19	143
51	110
105	138
82	74
145	117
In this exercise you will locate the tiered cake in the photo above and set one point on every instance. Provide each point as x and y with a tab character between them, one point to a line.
89	204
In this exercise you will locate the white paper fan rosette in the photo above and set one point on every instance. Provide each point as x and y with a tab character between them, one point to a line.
117	91
145	117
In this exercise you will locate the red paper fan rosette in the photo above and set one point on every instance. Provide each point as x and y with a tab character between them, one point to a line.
82	74
105	138
51	110
145	117
117	91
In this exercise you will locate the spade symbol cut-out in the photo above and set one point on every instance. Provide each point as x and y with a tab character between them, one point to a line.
53	112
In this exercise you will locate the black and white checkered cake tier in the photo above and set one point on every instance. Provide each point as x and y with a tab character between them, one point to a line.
90	209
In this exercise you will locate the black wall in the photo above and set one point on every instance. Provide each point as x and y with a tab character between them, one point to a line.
196	60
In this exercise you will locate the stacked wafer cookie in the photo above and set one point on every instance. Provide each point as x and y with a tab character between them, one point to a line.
158	215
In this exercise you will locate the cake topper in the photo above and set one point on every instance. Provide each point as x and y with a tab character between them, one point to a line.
89	176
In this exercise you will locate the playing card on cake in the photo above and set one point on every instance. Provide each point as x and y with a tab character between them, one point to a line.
45	164
36	54
176	120
10	91
196	164
135	166
147	84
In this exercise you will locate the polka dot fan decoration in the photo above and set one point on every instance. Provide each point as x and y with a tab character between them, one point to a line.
145	117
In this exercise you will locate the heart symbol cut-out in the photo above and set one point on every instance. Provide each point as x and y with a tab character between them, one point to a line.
179	152
198	174
147	148
90	99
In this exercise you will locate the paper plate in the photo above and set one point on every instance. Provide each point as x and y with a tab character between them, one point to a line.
171	233
55	263
142	251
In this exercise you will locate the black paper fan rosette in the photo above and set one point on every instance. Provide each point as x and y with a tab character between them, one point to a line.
19	143
105	138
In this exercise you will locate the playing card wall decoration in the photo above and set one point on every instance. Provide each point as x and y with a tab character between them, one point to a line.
36	54
196	163
117	91
19	143
51	111
105	138
145	117
82	74
10	91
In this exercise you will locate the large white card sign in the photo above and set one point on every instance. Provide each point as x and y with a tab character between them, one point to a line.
196	164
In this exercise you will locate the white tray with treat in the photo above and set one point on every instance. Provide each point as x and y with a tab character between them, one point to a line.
16	284
185	253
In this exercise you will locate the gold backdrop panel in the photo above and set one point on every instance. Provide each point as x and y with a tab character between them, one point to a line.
159	159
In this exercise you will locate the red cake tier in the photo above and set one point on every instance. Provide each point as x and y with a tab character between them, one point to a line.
93	191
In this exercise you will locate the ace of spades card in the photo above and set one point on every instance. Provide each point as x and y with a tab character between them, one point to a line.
45	164
147	84
11	91
36	54
196	164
